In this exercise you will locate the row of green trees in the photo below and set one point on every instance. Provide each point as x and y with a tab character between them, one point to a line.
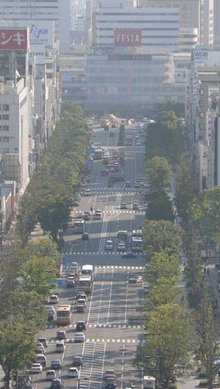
49	196
27	267
26	274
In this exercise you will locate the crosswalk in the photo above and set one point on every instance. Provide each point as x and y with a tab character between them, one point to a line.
118	212
93	365
100	340
115	267
94	253
101	326
109	191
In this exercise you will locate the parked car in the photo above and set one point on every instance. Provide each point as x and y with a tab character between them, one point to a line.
79	337
36	368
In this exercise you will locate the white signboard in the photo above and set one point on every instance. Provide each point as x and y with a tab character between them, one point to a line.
41	32
200	56
37	54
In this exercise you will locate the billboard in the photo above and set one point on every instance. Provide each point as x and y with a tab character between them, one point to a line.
127	37
200	56
41	32
14	39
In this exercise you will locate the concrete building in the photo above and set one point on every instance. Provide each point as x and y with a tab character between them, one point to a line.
216	25
206	22
202	119
121	81
59	11
158	27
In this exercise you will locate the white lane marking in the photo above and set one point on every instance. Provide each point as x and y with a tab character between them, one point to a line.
110	298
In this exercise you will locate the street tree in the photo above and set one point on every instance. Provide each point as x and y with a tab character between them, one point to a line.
164	291
160	207
161	236
158	172
17	347
41	247
168	342
185	190
36	274
207	339
162	265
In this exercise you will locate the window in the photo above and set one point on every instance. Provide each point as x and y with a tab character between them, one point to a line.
5	117
5	128
5	107
5	139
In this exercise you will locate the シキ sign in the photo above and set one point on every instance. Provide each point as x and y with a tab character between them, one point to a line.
13	39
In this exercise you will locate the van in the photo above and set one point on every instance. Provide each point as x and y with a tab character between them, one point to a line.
60	347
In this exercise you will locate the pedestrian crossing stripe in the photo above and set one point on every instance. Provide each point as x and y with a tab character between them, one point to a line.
106	326
94	340
119	211
96	253
117	267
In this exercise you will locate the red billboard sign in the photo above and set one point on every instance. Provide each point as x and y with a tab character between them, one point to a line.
127	37
13	39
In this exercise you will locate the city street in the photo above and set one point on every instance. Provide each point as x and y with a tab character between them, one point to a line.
114	307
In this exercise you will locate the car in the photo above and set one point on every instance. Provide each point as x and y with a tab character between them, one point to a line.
86	216
53	299
128	184
56	364
73	373
75	203
43	341
132	280
80	308
70	281
87	192
146	289
135	206
61	334
36	368
50	375
110	383
81	301
56	383
41	358
60	347
40	349
108	373
123	206
98	214
79	337
121	246
77	361
81	295
85	236
109	244
129	254
139	279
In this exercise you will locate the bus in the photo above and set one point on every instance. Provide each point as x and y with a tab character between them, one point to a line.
136	243
85	284
78	227
122	236
87	270
63	314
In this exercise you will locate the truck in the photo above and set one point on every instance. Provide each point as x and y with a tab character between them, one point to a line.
149	382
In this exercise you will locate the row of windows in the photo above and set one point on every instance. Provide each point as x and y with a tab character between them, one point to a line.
4	117
4	128
4	139
4	107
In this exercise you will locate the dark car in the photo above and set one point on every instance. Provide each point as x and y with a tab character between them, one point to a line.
80	295
130	254
77	361
85	236
56	384
56	364
81	326
132	280
61	335
110	383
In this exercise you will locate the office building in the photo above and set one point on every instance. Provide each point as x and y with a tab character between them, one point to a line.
58	11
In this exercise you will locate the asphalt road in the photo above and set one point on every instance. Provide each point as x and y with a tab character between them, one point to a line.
111	336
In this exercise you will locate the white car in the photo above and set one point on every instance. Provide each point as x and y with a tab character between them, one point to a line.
73	372
87	192
121	246
36	368
50	375
53	299
79	337
109	245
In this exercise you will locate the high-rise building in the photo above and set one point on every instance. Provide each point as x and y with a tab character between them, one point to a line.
59	11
